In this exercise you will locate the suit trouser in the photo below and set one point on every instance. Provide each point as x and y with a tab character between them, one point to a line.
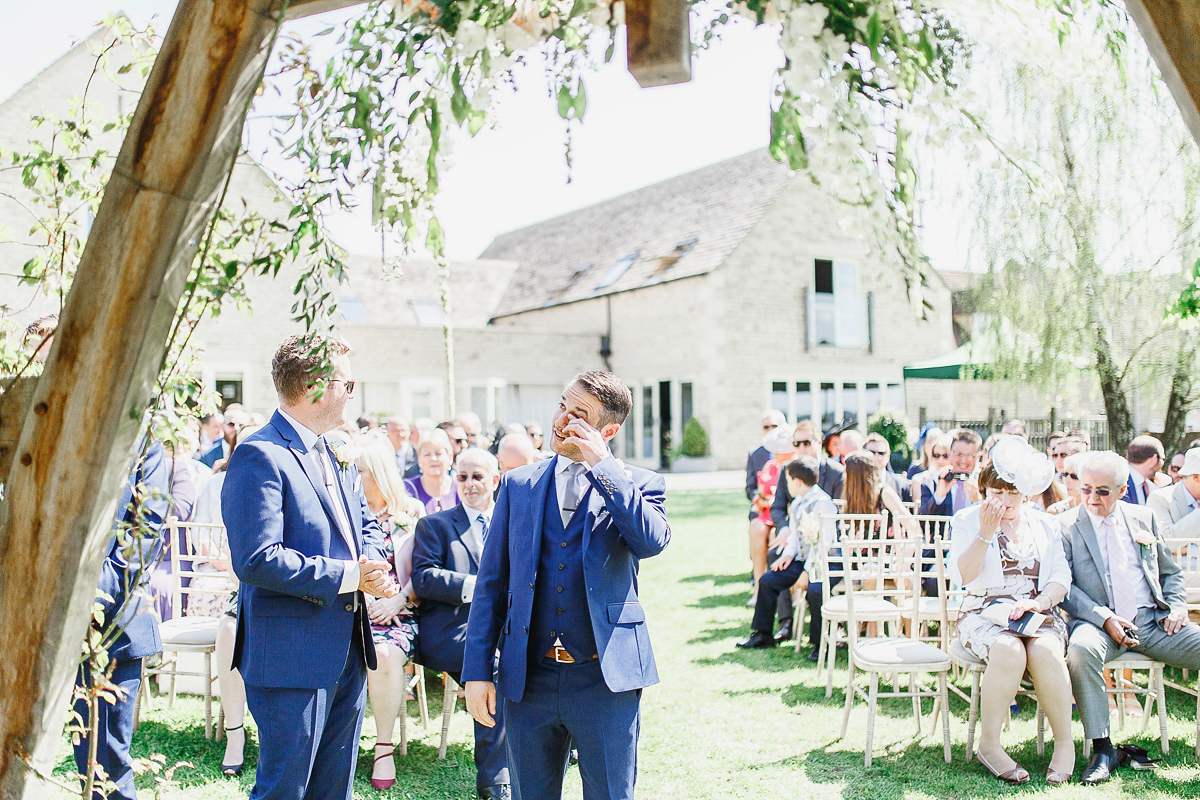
114	728
308	738
1090	647
771	586
491	751
567	704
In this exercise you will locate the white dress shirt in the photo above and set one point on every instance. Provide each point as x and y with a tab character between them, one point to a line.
309	439
468	590
560	472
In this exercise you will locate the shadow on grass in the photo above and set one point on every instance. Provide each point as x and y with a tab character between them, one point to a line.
714	634
727	600
766	660
718	580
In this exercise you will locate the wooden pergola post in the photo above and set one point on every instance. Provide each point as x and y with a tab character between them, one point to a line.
77	430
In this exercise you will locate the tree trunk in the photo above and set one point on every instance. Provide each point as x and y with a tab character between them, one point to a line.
1178	404
1116	405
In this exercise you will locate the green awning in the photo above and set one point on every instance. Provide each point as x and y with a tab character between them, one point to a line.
970	360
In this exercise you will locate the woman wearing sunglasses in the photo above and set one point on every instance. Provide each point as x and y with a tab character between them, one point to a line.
1009	558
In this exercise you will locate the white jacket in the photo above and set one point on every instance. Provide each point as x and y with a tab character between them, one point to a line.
1053	566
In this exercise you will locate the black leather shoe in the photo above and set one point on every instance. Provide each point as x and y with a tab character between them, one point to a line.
758	639
814	655
1100	768
785	631
500	791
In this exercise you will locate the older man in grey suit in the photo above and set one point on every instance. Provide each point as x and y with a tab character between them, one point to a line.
1174	505
1126	594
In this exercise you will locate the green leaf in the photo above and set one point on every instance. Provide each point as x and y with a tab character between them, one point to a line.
874	32
564	102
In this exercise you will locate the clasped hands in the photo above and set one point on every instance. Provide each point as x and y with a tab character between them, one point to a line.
374	579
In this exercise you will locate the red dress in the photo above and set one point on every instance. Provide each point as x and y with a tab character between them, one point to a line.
768	480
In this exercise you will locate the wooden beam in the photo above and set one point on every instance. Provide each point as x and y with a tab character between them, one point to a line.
658	41
73	449
1171	29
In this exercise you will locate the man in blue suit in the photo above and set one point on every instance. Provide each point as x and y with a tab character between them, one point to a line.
1146	457
445	562
305	548
236	418
129	621
557	595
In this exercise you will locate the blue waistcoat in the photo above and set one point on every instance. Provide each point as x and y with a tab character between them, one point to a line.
560	607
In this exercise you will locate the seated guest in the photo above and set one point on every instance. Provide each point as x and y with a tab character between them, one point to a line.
925	443
1064	448
1051	439
236	418
1015	427
878	446
866	492
779	444
951	489
759	456
1126	593
1146	457
1070	480
1009	559
799	557
1176	464
393	619
516	450
849	441
1055	493
939	456
435	486
446	558
1174	506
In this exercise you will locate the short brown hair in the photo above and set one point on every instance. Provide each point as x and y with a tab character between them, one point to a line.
610	390
1144	448
808	427
965	435
805	469
301	362
990	479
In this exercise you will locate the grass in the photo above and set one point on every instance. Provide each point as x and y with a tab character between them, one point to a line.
723	723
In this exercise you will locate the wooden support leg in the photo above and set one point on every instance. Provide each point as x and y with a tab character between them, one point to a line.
972	715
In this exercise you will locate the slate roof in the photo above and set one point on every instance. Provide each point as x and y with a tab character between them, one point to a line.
682	227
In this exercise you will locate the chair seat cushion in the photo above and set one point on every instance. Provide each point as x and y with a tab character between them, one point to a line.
963	657
863	607
190	631
898	652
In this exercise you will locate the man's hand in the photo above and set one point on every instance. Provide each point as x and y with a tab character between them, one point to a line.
481	702
781	563
1121	630
776	539
1173	623
373	578
587	439
971	488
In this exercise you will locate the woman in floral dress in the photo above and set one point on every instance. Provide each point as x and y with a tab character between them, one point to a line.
1008	557
393	619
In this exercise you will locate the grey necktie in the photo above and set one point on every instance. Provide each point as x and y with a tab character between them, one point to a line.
571	493
335	493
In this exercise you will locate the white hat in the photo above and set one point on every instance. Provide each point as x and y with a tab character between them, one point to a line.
779	441
1191	462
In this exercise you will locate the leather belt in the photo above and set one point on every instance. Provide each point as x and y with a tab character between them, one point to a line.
561	656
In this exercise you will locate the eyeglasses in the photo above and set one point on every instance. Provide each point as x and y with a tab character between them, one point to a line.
936	454
349	384
1073	476
876	452
1173	468
1059	455
802	443
463	477
769	427
459	441
1100	491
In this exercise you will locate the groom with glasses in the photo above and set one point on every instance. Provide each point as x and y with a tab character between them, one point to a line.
1127	593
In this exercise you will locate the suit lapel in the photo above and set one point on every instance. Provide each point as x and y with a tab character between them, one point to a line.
1181	499
466	533
1144	553
540	486
1085	532
310	469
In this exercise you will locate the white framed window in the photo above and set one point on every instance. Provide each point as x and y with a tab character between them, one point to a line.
837	307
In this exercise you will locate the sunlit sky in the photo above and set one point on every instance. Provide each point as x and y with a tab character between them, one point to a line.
515	173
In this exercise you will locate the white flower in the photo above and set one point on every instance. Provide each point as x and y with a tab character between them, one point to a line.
471	37
1143	537
809	527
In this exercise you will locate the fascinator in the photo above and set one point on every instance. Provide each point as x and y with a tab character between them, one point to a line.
1016	462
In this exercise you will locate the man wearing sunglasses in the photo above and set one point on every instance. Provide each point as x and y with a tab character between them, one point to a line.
758	457
1127	593
236	418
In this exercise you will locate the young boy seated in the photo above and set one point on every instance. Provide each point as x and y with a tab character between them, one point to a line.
809	515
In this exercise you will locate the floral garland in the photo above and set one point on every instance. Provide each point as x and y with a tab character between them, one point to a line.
858	75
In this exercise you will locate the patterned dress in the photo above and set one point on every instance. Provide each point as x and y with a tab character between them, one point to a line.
401	632
1020	566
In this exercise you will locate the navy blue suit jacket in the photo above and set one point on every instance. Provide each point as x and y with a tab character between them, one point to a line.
445	553
213	454
126	568
294	629
929	503
625	523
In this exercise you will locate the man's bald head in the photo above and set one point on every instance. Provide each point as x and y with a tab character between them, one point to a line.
516	450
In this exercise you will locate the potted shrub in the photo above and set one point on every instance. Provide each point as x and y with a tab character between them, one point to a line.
693	450
892	426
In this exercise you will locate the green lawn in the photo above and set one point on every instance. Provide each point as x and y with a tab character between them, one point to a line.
723	723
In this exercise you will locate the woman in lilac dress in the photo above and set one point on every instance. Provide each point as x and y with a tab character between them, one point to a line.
434	487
